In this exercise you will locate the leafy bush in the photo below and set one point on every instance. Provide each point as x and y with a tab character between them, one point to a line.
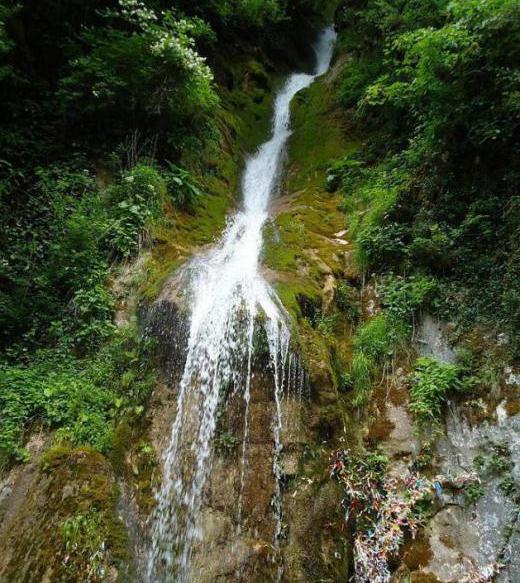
431	246
432	382
80	398
151	50
137	200
402	297
380	337
51	248
509	486
379	246
344	173
181	186
473	492
84	545
436	86
355	77
325	324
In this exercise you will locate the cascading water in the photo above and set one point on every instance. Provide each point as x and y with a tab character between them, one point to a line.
228	293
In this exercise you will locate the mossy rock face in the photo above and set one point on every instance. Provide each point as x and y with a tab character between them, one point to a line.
305	251
65	526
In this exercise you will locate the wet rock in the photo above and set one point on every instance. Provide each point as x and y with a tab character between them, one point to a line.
167	325
471	538
328	293
402	439
430	340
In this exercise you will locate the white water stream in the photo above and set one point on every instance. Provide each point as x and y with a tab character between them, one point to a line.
228	293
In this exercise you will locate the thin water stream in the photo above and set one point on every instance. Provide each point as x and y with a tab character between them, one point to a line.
228	293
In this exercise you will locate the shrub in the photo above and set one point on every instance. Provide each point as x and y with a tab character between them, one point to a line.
431	246
348	301
181	186
433	83
325	324
380	246
473	493
402	297
344	173
81	398
432	382
355	77
137	199
113	77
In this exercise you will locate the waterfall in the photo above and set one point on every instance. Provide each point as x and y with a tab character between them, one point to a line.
228	293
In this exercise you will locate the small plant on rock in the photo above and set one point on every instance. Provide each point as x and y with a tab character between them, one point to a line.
432	382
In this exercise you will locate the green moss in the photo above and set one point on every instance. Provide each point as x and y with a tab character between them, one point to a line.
289	292
51	532
301	237
318	137
301	246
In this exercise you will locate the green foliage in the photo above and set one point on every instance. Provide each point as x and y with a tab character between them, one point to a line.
377	341
148	67
232	16
325	324
226	441
380	337
380	245
498	463
376	462
6	43
83	540
495	463
58	246
51	251
361	375
357	74
402	297
137	201
473	492
182	187
431	245
432	383
348	301
509	486
345	173
436	84
345	382
81	398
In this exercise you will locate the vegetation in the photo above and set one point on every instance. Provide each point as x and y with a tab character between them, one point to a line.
112	123
84	545
376	342
473	492
433	192
122	128
432	383
81	397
